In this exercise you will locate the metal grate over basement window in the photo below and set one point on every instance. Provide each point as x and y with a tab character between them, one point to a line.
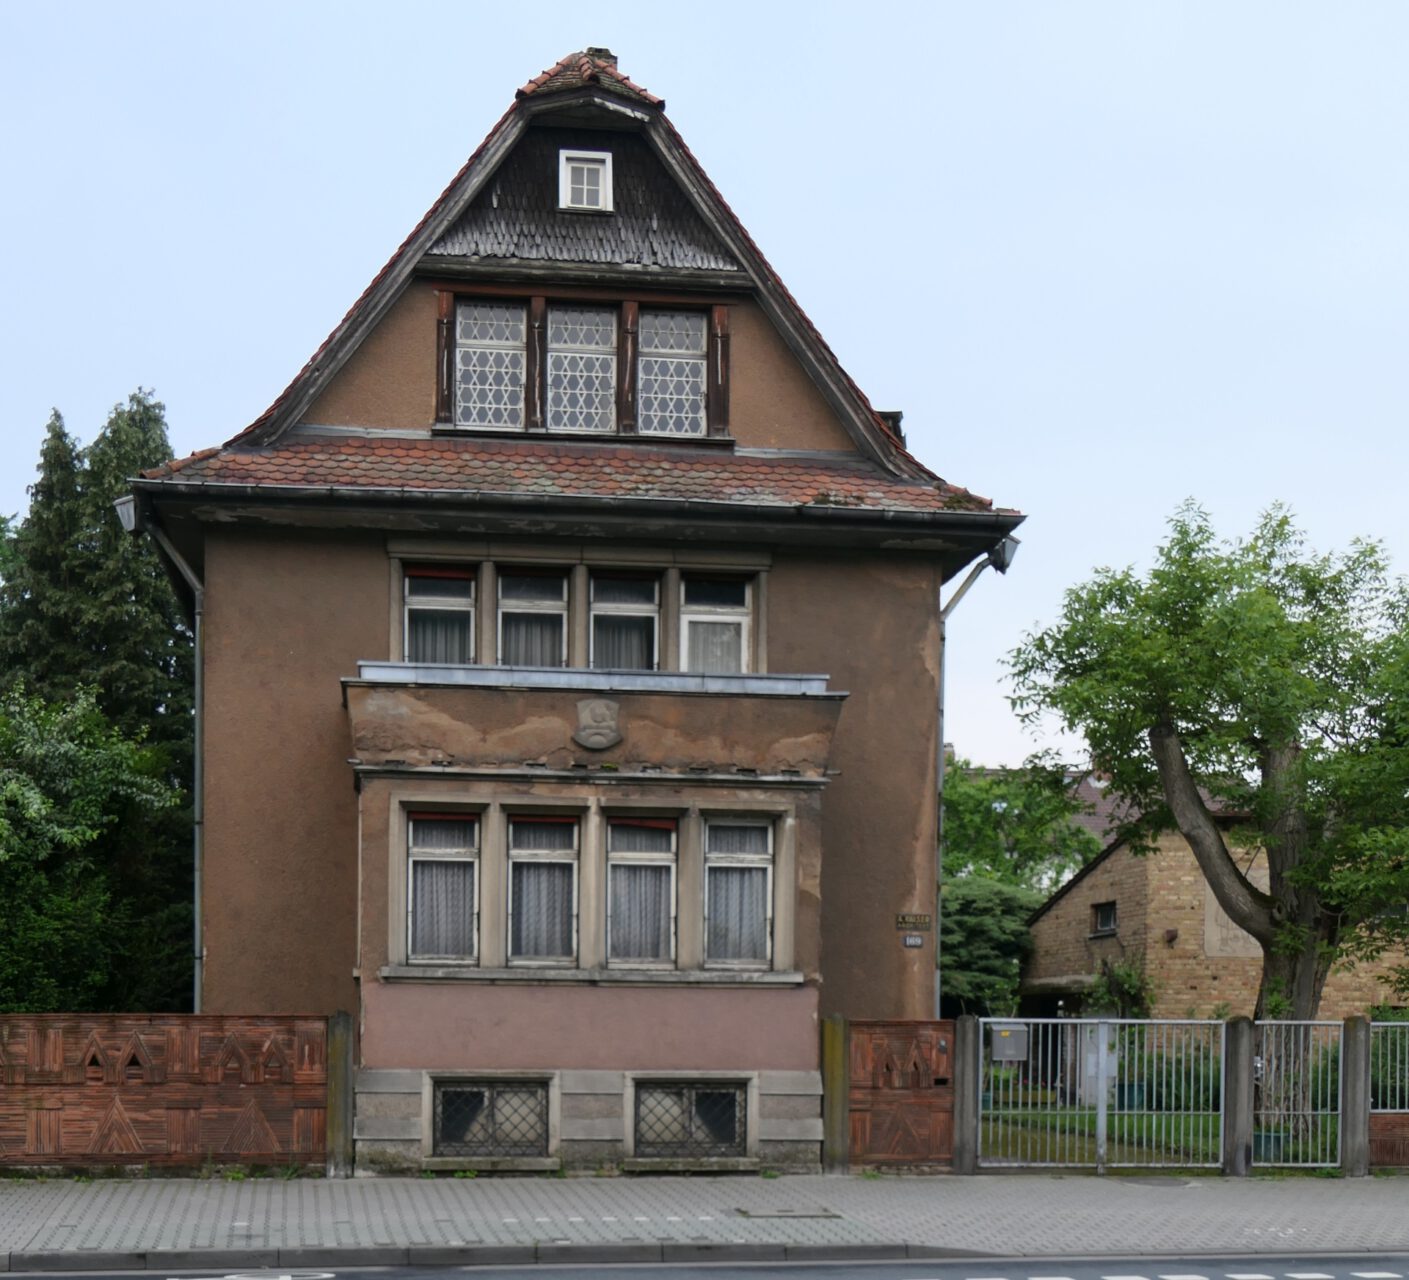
491	1118
694	1120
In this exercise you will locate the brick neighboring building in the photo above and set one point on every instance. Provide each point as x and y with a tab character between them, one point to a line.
1158	911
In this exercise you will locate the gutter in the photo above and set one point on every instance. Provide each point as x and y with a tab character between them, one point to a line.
135	521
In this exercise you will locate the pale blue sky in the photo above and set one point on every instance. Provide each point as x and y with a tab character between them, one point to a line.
1103	255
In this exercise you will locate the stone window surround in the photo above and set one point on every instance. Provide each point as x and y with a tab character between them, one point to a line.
525	1164
578	561
643	1164
593	809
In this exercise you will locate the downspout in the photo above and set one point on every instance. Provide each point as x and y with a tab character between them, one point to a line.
1000	557
127	511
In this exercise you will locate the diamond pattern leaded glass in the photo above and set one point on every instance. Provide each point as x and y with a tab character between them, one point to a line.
691	1120
581	369
582	329
490	1118
489	365
671	373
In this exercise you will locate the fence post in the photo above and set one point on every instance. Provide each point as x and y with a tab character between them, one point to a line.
339	1123
836	1090
1237	1097
968	1082
1355	1098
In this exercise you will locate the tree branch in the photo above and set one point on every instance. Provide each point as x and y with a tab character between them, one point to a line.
1248	907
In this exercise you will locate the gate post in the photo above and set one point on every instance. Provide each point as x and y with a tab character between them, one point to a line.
339	1123
1355	1098
836	1094
968	1079
1237	1097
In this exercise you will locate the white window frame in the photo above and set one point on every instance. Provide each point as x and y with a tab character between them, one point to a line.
572	858
743	614
467	853
602	162
409	574
653	859
767	861
559	608
594	609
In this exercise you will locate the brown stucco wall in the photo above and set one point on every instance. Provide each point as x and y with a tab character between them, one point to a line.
871	623
285	616
390	381
527	1027
1209	968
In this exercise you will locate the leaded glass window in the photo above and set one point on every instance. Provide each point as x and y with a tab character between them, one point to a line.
489	365
671	373
582	368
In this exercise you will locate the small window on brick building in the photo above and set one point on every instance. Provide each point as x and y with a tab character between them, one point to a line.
1103	918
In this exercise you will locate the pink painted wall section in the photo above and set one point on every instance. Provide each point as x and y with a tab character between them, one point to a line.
517	1026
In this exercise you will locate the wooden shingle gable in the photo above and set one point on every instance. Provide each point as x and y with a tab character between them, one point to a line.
703	236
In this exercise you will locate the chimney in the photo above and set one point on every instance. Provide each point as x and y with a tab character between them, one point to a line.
602	55
892	417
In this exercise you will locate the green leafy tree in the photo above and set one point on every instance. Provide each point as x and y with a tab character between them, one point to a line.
1014	825
985	940
1269	685
68	780
82	604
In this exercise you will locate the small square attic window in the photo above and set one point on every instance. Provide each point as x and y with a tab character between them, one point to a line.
585	180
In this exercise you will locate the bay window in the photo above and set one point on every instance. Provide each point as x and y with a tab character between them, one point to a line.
443	887
641	891
543	890
738	894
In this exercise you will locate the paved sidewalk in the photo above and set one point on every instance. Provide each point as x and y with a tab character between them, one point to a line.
188	1224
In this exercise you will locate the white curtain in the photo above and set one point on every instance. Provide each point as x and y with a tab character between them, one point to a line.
443	908
716	648
438	635
738	913
542	923
640	912
532	639
623	643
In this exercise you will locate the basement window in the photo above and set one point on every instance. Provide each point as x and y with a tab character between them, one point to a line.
585	180
703	1120
491	1118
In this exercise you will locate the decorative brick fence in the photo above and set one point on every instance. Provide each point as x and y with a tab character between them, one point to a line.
162	1089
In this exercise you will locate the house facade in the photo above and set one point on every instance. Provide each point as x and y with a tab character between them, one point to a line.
1158	913
569	655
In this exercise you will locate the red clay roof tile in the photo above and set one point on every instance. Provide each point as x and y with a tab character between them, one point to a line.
480	468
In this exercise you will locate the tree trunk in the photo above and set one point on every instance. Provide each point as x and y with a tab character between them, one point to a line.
1292	982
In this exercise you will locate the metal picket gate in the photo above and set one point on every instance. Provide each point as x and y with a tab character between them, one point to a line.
1296	1094
1101	1092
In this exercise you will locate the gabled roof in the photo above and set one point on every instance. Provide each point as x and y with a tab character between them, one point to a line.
588	82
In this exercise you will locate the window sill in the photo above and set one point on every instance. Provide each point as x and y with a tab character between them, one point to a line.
1102	933
592	977
597	679
692	440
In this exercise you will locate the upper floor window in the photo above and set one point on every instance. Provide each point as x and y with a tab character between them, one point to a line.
641	891
714	624
738	894
439	613
625	619
1103	917
583	368
533	610
585	180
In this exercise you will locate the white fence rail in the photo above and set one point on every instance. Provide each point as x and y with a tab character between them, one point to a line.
1389	1066
1296	1094
1102	1092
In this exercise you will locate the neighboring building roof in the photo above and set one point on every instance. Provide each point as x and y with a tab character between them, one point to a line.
592	469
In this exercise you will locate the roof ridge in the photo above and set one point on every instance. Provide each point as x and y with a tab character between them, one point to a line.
589	69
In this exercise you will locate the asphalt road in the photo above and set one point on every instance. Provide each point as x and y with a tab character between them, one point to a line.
1247	1267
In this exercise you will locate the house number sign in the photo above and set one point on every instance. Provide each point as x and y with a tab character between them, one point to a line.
913	940
912	923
